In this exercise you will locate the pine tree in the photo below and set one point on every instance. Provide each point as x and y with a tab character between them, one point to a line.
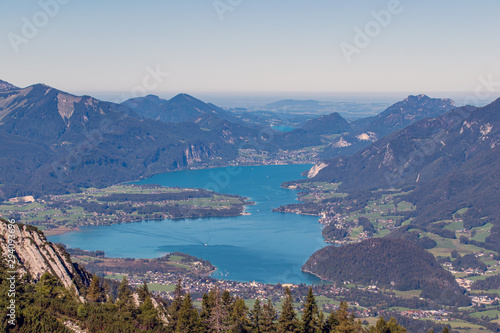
227	300
124	293
107	291
446	330
125	304
175	306
331	323
394	327
95	292
288	322
148	315
256	317
269	318
143	292
347	322
206	310
321	322
239	320
390	326
188	320
47	286
219	316
310	314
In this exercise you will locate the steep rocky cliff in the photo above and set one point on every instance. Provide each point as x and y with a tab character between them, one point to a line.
37	256
315	169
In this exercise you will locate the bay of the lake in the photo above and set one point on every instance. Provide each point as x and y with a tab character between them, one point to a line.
263	246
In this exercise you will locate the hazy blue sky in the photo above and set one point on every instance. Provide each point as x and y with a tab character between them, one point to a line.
278	46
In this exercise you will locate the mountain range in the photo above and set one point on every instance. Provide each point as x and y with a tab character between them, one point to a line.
4	86
56	142
444	165
403	114
396	117
445	160
181	108
433	148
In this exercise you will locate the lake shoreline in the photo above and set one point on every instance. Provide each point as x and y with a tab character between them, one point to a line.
60	231
63	230
257	245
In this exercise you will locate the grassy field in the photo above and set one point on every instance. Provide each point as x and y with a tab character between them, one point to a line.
482	232
322	301
161	287
456	225
405	206
115	276
490	291
492	314
446	245
319	186
463	326
408	294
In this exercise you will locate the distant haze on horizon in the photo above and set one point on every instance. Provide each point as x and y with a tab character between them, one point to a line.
247	100
255	52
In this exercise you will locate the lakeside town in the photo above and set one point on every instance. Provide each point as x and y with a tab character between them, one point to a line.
329	295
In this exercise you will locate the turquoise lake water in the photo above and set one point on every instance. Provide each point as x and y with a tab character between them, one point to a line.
283	128
264	246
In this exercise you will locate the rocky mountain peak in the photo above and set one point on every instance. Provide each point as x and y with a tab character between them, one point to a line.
183	97
6	86
36	256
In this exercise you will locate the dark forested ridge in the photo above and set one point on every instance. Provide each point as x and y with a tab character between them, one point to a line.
391	263
328	124
492	282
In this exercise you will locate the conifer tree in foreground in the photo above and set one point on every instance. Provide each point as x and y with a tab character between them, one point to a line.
219	316
239	320
310	315
256	317
206	310
95	293
288	322
383	326
344	321
175	307
188	320
269	318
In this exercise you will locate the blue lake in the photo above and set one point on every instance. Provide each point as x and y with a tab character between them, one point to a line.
264	246
283	128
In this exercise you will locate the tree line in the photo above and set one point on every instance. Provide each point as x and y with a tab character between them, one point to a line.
109	306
